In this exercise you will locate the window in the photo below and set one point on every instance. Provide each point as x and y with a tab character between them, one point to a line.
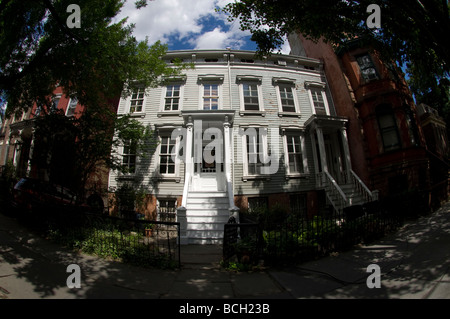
251	99
71	107
388	127
167	210
318	101
367	67
287	98
257	204
210	97
172	99
167	155
298	204
254	153
129	157
294	154
137	101
55	102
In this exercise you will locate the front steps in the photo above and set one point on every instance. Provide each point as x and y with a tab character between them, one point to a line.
206	213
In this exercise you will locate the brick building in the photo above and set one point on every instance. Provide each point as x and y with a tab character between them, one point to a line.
387	143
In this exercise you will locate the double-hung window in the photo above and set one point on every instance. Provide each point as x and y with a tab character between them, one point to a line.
250	95
367	67
286	95
172	99
167	154
318	98
388	127
255	154
137	100
210	96
286	98
129	157
295	154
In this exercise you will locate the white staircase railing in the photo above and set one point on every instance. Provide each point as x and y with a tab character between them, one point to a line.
359	185
333	192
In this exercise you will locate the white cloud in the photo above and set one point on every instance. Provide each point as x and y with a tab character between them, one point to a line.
182	20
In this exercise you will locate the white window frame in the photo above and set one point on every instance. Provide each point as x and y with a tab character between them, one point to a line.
252	80
130	99
203	96
176	145
317	86
264	145
128	155
280	82
57	98
74	108
210	79
165	97
304	157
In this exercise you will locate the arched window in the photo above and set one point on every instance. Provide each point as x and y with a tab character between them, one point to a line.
388	127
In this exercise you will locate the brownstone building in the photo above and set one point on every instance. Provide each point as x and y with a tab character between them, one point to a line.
387	144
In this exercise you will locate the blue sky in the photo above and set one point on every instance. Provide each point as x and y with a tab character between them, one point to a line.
187	24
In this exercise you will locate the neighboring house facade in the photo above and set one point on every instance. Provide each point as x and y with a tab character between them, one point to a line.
19	145
237	133
387	144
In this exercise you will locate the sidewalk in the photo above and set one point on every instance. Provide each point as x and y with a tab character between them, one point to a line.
414	263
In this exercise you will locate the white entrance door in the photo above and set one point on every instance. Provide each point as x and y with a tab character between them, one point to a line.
209	169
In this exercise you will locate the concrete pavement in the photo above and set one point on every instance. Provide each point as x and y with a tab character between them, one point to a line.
414	263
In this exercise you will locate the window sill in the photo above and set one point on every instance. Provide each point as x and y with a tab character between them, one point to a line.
258	113
297	176
137	114
175	179
130	177
293	114
255	177
168	113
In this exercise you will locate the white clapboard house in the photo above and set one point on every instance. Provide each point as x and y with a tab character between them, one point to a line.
239	131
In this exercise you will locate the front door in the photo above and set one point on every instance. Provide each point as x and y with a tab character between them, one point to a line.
209	166
333	155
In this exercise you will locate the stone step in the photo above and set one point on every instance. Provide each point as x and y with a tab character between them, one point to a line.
207	212
207	206
204	226
203	194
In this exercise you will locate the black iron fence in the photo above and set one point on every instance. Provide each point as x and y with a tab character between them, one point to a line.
297	237
141	242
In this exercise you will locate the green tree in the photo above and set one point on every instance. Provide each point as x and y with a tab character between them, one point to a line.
72	149
413	33
100	60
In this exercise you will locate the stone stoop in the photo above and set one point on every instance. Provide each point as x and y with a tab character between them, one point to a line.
206	213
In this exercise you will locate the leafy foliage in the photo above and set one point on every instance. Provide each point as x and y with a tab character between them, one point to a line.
413	32
86	144
93	62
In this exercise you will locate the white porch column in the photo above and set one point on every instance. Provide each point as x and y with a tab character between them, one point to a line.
181	211
322	151
188	151
228	161
348	163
